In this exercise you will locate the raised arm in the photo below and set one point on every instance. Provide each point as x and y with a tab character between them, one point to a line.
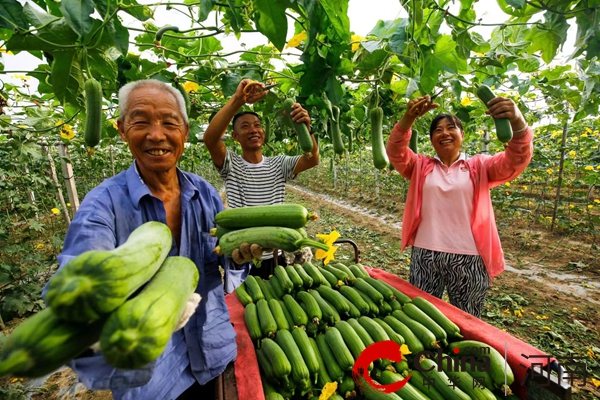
401	157
507	165
220	122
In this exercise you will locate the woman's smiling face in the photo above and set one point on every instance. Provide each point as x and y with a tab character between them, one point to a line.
447	138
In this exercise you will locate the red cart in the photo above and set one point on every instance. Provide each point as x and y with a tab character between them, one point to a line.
531	366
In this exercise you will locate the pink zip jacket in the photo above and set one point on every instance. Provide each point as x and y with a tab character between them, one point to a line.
486	172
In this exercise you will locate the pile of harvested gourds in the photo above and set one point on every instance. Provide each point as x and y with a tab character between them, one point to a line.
246	233
309	324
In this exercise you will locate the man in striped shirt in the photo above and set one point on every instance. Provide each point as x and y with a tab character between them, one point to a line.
253	179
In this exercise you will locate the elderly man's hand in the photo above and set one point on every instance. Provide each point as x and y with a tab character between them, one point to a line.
190	308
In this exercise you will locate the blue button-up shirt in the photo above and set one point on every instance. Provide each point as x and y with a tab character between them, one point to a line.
203	348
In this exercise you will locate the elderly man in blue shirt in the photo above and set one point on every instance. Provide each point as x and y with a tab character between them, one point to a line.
153	121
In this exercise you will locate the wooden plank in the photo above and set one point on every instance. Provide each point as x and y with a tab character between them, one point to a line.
67	170
229	384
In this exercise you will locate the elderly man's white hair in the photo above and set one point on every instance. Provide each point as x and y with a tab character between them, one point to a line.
126	90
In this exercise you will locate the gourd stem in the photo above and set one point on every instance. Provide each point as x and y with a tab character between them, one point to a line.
311	243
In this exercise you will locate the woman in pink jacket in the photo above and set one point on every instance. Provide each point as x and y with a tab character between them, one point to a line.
448	217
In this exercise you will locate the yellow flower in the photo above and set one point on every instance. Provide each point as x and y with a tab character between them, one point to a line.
572	153
296	40
55	211
550	171
596	382
39	245
356	39
571	206
546	328
68	204
3	50
191	86
524	187
589	168
466	101
404	350
507	184
596	201
590	206
541	317
507	311
22	126
574	139
584	135
518	313
588	130
328	390
66	132
574	308
328	240
114	124
23	77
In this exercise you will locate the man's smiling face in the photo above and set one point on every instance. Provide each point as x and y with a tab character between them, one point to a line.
249	132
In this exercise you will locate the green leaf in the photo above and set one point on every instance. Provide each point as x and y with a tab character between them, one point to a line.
229	84
337	12
373	61
385	29
66	76
516	3
371	45
36	17
271	20
11	15
77	13
334	90
528	64
57	33
103	64
204	9
346	67
431	70
139	12
150	68
234	19
549	38
444	57
315	77
399	38
456	88
121	36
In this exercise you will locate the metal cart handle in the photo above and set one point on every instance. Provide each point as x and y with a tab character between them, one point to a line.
356	250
